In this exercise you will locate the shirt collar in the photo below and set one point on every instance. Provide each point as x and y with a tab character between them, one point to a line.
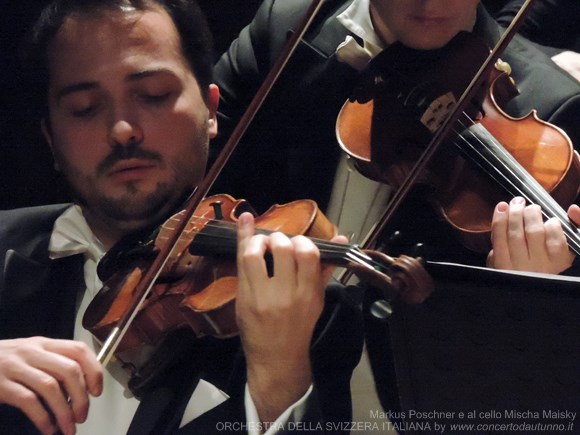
71	235
357	19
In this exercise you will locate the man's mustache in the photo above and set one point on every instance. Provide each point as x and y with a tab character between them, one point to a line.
120	153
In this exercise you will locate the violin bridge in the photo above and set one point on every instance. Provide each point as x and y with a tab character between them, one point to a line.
438	111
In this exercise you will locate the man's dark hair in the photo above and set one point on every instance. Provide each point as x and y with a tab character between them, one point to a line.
194	33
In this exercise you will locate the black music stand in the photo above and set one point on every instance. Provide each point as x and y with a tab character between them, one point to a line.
505	345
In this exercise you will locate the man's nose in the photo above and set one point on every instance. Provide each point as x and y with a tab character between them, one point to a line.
125	133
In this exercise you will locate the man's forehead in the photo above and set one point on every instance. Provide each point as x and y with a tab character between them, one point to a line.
122	43
84	34
126	17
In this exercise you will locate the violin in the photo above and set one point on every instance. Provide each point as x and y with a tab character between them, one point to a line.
196	290
198	285
401	104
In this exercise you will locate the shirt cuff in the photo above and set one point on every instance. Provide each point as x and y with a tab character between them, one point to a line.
292	414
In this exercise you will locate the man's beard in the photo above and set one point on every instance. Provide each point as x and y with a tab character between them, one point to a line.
132	208
135	210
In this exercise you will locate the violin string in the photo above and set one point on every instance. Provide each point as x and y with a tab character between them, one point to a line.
502	158
532	190
491	166
347	254
354	257
499	158
339	250
504	164
328	250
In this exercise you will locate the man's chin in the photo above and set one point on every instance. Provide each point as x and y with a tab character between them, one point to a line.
436	38
135	213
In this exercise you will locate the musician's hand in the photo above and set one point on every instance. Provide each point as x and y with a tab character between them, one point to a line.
523	241
276	314
574	214
43	376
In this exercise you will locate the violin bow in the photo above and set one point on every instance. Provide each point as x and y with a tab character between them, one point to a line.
371	238
145	285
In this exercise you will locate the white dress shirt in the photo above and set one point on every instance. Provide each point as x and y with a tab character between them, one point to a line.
357	19
356	202
112	412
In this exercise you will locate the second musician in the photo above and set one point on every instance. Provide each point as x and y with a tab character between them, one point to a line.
295	131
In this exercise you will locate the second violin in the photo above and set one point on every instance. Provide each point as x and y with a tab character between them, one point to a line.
389	121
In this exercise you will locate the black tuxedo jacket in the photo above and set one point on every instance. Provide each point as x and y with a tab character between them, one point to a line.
290	150
38	297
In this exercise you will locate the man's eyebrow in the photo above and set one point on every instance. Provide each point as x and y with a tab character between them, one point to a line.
87	86
83	86
149	73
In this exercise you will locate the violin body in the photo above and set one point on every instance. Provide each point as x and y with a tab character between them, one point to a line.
544	150
401	101
396	110
198	284
195	290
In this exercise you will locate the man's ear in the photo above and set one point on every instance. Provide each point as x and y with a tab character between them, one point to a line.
45	128
213	99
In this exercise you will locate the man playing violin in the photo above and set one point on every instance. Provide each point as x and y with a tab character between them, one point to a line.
296	129
129	109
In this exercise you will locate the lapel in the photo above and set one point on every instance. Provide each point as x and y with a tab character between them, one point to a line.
486	27
40	296
326	32
160	410
217	361
317	48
